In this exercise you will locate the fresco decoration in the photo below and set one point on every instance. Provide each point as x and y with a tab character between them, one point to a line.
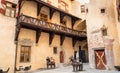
96	40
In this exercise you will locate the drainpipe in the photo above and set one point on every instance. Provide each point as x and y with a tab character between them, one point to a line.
16	42
15	57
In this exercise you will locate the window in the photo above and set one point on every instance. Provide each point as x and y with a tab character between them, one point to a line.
43	17
10	9
104	32
55	50
102	10
63	22
82	8
25	54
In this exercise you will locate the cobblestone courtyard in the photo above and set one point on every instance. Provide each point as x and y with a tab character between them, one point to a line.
69	69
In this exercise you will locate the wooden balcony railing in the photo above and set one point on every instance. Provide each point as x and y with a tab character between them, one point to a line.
27	20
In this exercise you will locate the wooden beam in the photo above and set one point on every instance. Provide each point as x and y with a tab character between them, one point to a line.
51	12
74	41
62	15
39	6
62	38
38	33
51	36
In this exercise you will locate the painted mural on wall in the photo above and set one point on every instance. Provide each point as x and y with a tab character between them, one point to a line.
96	39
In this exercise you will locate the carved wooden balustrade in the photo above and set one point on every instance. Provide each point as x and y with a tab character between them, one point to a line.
23	19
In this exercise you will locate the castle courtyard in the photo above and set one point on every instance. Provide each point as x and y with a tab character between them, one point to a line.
38	34
68	69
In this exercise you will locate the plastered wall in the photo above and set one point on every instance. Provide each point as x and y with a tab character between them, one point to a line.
95	20
40	51
7	46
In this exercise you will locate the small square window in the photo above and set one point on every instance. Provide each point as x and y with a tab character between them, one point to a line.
104	32
102	10
54	50
63	22
43	17
82	8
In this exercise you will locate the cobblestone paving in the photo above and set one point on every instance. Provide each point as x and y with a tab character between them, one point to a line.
69	69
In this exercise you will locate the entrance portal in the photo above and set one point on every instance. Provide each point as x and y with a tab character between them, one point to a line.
100	59
61	57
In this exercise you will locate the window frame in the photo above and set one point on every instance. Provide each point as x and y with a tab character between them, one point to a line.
55	50
82	8
102	10
42	17
104	32
64	23
10	8
24	54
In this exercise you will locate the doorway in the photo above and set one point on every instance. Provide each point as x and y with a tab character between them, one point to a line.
82	55
61	57
100	59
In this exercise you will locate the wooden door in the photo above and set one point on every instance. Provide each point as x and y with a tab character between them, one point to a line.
61	57
100	59
82	55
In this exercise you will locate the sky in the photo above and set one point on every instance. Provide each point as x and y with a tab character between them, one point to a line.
83	1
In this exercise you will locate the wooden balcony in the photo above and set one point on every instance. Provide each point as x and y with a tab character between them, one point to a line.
40	25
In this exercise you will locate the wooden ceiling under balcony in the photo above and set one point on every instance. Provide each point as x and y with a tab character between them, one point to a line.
53	9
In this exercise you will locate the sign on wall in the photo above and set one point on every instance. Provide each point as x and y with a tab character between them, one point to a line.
26	42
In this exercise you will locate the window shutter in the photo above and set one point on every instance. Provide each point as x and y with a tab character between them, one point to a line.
2	6
17	10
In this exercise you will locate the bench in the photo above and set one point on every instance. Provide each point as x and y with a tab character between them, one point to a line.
77	65
117	67
1	71
50	62
26	68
